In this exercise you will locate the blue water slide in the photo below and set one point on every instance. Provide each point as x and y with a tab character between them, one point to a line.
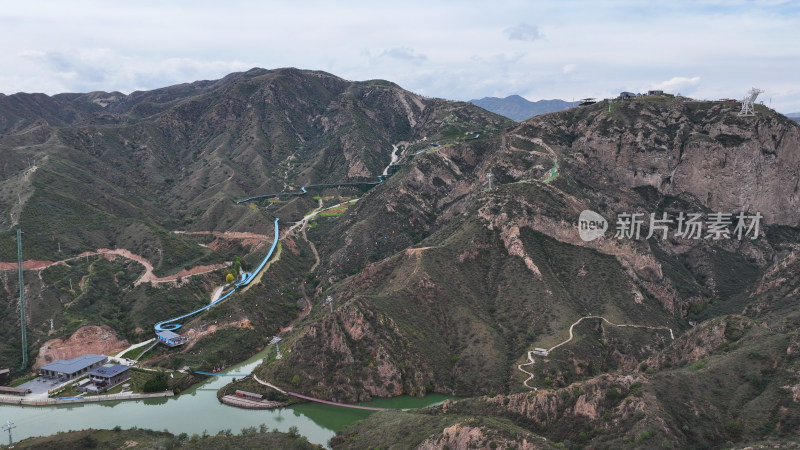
169	325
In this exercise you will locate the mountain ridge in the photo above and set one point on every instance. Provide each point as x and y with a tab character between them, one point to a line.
518	108
439	283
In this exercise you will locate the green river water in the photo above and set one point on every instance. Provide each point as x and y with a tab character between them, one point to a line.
195	410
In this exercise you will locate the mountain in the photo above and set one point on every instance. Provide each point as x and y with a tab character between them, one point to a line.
143	438
465	270
794	116
517	108
157	173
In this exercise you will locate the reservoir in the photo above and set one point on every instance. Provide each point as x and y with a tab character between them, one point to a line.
194	411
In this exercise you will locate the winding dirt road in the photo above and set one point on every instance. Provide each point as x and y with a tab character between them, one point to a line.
147	277
530	353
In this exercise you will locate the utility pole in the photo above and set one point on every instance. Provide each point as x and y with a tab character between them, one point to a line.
8	428
489	177
22	315
329	301
22	321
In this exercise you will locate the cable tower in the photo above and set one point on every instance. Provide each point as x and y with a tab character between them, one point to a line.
747	102
489	177
275	340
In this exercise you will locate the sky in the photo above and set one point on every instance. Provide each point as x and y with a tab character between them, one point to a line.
458	50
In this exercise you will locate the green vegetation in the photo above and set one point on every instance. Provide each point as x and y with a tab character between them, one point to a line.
409	430
250	437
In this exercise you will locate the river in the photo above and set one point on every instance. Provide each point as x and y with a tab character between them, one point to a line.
194	411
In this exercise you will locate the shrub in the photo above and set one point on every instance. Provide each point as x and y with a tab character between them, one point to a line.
645	435
157	383
733	428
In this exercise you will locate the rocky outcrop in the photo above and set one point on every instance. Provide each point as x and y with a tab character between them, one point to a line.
729	163
354	355
474	436
101	340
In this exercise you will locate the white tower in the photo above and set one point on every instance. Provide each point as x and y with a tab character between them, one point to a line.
489	177
747	102
329	301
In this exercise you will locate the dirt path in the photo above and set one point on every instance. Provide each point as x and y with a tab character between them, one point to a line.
530	353
313	250
147	277
272	260
216	294
229	234
312	214
395	158
140	344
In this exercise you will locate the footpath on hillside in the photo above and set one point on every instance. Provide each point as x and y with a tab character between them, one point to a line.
548	351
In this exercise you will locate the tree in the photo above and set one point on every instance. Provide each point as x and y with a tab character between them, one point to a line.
229	278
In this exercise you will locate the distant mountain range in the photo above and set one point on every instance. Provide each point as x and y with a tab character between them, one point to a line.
517	108
794	116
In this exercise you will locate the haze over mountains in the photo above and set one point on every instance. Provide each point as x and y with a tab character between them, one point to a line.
518	108
439	284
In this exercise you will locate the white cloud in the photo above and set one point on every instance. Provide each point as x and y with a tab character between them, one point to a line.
677	83
432	47
523	32
403	53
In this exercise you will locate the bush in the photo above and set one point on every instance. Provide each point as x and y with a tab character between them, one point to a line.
645	435
158	383
733	428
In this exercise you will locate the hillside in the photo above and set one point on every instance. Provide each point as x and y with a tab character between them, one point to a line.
148	439
518	108
156	174
438	282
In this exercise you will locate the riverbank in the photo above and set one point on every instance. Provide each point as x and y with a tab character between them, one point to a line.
15	400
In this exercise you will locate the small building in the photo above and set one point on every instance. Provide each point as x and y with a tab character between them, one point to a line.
104	378
67	369
14	391
626	95
655	92
250	395
540	351
171	339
